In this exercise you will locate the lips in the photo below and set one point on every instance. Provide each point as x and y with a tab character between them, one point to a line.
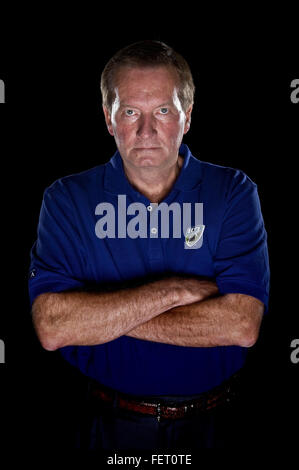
147	148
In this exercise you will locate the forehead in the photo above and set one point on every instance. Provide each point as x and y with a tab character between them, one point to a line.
146	83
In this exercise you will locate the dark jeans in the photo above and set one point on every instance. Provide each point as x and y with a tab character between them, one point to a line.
106	427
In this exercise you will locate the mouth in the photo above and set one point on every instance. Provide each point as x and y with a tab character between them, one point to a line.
147	148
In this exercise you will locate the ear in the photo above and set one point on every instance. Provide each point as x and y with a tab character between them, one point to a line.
108	120
188	119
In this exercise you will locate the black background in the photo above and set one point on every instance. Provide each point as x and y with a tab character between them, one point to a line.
52	125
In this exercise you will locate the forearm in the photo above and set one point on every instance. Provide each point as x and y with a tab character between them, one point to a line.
231	319
85	318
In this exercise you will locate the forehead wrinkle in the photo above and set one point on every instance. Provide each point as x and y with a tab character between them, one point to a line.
149	99
141	89
164	103
145	95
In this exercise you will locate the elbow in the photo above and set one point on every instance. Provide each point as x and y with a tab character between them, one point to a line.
44	327
46	337
250	323
48	342
248	335
248	341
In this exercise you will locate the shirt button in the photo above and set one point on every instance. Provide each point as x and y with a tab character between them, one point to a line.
149	208
154	230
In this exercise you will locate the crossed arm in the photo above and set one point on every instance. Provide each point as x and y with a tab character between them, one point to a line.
231	319
178	310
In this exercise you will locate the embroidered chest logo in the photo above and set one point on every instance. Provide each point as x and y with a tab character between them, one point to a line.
193	235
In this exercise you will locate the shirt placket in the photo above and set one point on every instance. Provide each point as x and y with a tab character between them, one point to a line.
155	249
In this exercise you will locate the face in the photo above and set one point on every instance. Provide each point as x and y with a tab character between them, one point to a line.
147	119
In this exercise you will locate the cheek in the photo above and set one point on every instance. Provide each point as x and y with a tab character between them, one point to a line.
124	133
172	131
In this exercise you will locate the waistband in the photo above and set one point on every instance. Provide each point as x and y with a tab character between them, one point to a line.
169	406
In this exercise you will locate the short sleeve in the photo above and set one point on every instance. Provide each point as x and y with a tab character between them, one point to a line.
57	256
241	261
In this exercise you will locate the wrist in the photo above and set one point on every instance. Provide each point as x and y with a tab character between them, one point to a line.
208	289
169	292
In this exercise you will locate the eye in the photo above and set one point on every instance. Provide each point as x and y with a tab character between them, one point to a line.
164	110
129	112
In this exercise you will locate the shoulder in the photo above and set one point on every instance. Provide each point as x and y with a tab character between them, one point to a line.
77	186
222	178
231	175
79	180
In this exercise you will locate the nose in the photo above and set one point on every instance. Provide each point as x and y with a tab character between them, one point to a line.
146	127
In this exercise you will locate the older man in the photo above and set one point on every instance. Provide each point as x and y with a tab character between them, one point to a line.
150	273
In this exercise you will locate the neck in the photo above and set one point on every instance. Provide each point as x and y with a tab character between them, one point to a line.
152	183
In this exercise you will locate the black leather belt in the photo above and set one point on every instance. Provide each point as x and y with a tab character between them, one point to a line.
220	395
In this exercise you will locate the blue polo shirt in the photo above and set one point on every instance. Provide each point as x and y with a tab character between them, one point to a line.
69	254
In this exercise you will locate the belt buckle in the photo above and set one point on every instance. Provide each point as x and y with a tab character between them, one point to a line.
188	408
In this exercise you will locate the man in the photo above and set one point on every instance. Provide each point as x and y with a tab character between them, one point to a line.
159	317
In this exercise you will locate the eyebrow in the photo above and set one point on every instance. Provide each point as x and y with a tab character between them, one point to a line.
125	105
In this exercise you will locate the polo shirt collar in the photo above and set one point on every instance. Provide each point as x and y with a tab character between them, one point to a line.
116	181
